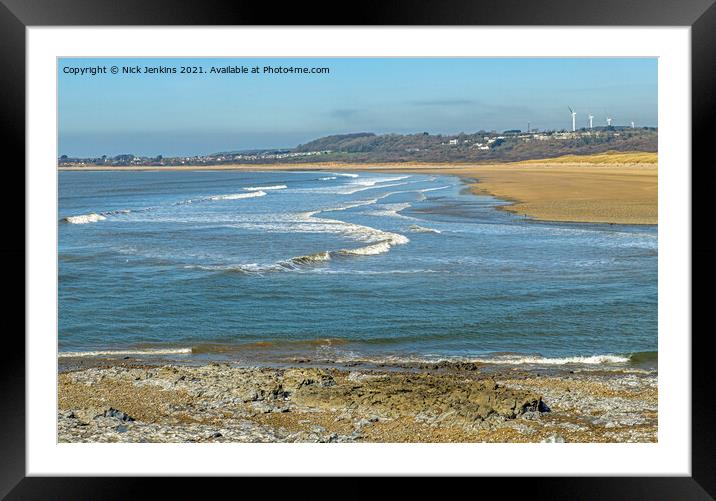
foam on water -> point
(118, 353)
(368, 250)
(238, 196)
(421, 229)
(533, 360)
(391, 210)
(368, 186)
(607, 359)
(93, 217)
(259, 188)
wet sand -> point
(616, 188)
(132, 401)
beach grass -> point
(609, 157)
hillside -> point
(478, 147)
(367, 147)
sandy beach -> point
(617, 188)
(132, 401)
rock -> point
(90, 414)
(361, 423)
(115, 413)
(531, 415)
(295, 379)
(554, 439)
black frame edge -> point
(371, 12)
(703, 110)
(12, 249)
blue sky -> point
(180, 114)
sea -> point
(340, 267)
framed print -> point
(437, 244)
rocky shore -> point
(135, 402)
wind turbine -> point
(574, 118)
(590, 120)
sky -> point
(201, 113)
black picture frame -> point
(17, 15)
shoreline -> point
(603, 189)
(136, 401)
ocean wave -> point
(237, 196)
(421, 229)
(351, 205)
(495, 360)
(374, 241)
(291, 264)
(425, 190)
(229, 196)
(247, 268)
(327, 178)
(318, 257)
(260, 188)
(368, 250)
(358, 232)
(391, 210)
(375, 186)
(110, 353)
(92, 217)
(536, 360)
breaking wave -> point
(425, 190)
(371, 184)
(229, 196)
(259, 188)
(318, 257)
(535, 360)
(368, 250)
(496, 360)
(351, 205)
(111, 353)
(421, 229)
(92, 217)
(391, 210)
(378, 241)
(237, 196)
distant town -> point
(366, 147)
